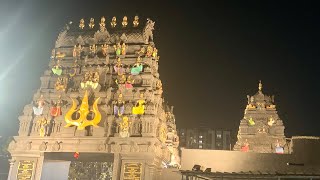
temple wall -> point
(235, 161)
(170, 174)
(307, 148)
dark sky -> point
(212, 56)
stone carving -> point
(162, 134)
(139, 107)
(147, 31)
(141, 52)
(124, 21)
(80, 41)
(12, 145)
(101, 146)
(118, 106)
(56, 146)
(120, 49)
(57, 69)
(116, 147)
(123, 38)
(56, 106)
(43, 124)
(124, 127)
(102, 24)
(43, 146)
(134, 147)
(61, 84)
(28, 145)
(39, 105)
(113, 22)
(93, 50)
(91, 24)
(151, 147)
(149, 51)
(81, 24)
(102, 36)
(137, 67)
(135, 21)
(104, 49)
(61, 39)
(271, 121)
(259, 124)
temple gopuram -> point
(261, 151)
(99, 112)
(261, 130)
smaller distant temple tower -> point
(261, 130)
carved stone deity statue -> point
(113, 22)
(61, 84)
(56, 107)
(117, 49)
(137, 67)
(104, 49)
(147, 31)
(91, 24)
(57, 69)
(102, 24)
(136, 21)
(38, 106)
(118, 67)
(125, 21)
(118, 106)
(124, 127)
(43, 124)
(139, 107)
(81, 24)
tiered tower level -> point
(261, 130)
(101, 94)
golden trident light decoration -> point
(81, 122)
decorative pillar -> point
(25, 122)
(39, 166)
(11, 162)
(116, 166)
(44, 82)
(35, 126)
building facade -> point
(205, 138)
(99, 112)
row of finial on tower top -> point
(260, 85)
(113, 22)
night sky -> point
(212, 56)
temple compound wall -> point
(303, 160)
(99, 112)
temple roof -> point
(104, 32)
(295, 174)
(260, 100)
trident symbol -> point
(83, 111)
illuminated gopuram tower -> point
(99, 113)
(261, 130)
